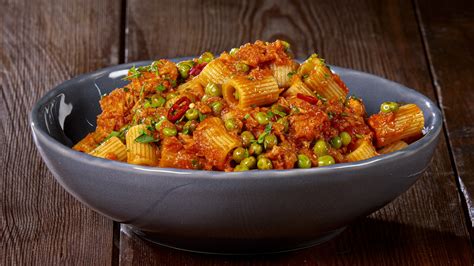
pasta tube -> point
(365, 151)
(214, 142)
(216, 72)
(112, 149)
(244, 92)
(405, 123)
(280, 73)
(140, 153)
(319, 78)
(398, 145)
(298, 86)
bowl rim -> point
(38, 133)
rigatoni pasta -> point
(296, 87)
(253, 107)
(365, 150)
(244, 92)
(319, 78)
(211, 134)
(139, 152)
(111, 148)
(216, 72)
(405, 123)
(396, 146)
(283, 73)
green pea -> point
(320, 148)
(183, 69)
(213, 90)
(217, 107)
(249, 162)
(388, 107)
(336, 142)
(304, 161)
(264, 164)
(169, 132)
(241, 168)
(394, 106)
(255, 148)
(239, 154)
(270, 141)
(192, 114)
(230, 124)
(170, 96)
(247, 138)
(147, 104)
(233, 51)
(242, 67)
(206, 57)
(284, 122)
(262, 118)
(157, 101)
(345, 138)
(326, 160)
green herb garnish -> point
(266, 131)
(133, 73)
(160, 87)
(202, 117)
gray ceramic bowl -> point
(217, 212)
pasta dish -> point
(253, 107)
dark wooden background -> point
(427, 45)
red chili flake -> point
(178, 109)
(307, 98)
(195, 70)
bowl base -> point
(234, 247)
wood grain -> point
(43, 43)
(448, 33)
(423, 226)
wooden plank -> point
(43, 43)
(448, 33)
(423, 226)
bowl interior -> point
(68, 112)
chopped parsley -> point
(266, 131)
(321, 98)
(160, 87)
(291, 73)
(145, 138)
(330, 115)
(280, 113)
(295, 109)
(270, 114)
(202, 117)
(247, 116)
(133, 73)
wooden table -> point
(426, 45)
